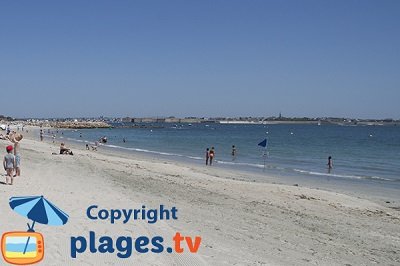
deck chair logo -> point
(21, 247)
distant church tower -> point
(280, 115)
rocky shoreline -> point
(64, 124)
(80, 125)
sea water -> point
(364, 153)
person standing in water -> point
(330, 163)
(207, 155)
(233, 152)
(212, 155)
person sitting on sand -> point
(65, 150)
(96, 144)
(9, 165)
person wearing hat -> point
(9, 165)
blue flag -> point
(263, 143)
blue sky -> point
(200, 58)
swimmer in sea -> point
(330, 163)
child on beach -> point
(9, 165)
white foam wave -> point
(341, 176)
(243, 164)
(238, 163)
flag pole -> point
(265, 157)
(264, 145)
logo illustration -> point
(28, 247)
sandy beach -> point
(240, 222)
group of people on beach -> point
(210, 154)
(12, 159)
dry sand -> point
(241, 223)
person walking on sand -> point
(9, 165)
(330, 163)
(41, 135)
(207, 155)
(16, 138)
(212, 155)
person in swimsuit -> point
(207, 155)
(16, 138)
(212, 154)
(330, 163)
(65, 150)
(233, 152)
(9, 165)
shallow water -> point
(366, 158)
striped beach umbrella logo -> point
(38, 209)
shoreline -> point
(241, 222)
(378, 191)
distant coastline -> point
(106, 122)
